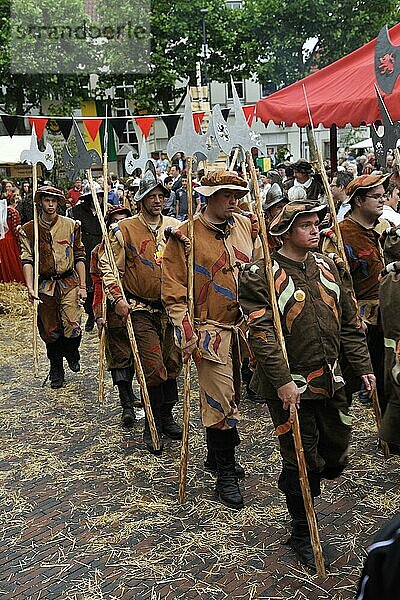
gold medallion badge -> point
(299, 296)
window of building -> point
(239, 85)
(267, 88)
(234, 4)
(122, 110)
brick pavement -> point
(87, 514)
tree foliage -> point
(276, 40)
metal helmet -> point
(149, 182)
(274, 195)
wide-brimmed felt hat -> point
(149, 182)
(284, 220)
(49, 190)
(302, 166)
(214, 181)
(367, 182)
(115, 210)
(273, 196)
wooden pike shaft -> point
(35, 273)
(102, 341)
(135, 352)
(327, 188)
(304, 483)
(186, 392)
(234, 159)
(248, 195)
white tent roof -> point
(11, 148)
(363, 144)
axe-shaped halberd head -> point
(387, 61)
(391, 133)
(241, 133)
(188, 141)
(84, 159)
(139, 163)
(212, 145)
(223, 133)
(33, 156)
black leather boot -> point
(227, 488)
(71, 352)
(156, 398)
(54, 354)
(210, 464)
(168, 424)
(128, 413)
(300, 540)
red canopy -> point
(340, 93)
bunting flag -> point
(197, 120)
(225, 113)
(171, 123)
(10, 123)
(65, 126)
(145, 124)
(92, 127)
(249, 113)
(89, 110)
(40, 124)
(119, 126)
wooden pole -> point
(304, 483)
(244, 174)
(35, 273)
(234, 159)
(102, 341)
(186, 393)
(135, 352)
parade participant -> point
(85, 213)
(181, 200)
(318, 317)
(223, 240)
(62, 284)
(361, 230)
(389, 302)
(304, 176)
(74, 194)
(274, 202)
(138, 244)
(118, 349)
(390, 208)
(338, 186)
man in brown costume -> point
(62, 284)
(138, 244)
(223, 240)
(117, 345)
(361, 231)
(318, 317)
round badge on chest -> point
(299, 295)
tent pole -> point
(333, 147)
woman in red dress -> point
(10, 259)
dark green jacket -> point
(318, 316)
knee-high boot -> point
(71, 352)
(168, 424)
(223, 442)
(210, 463)
(55, 356)
(156, 397)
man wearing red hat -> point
(138, 244)
(62, 286)
(318, 318)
